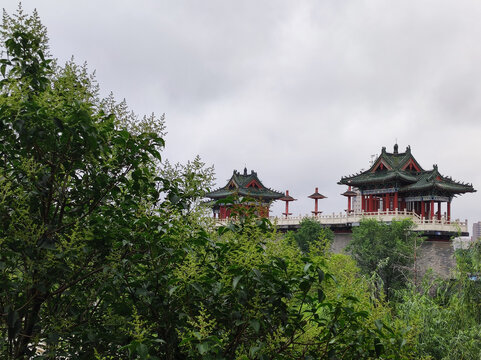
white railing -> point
(385, 216)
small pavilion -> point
(287, 199)
(397, 182)
(316, 196)
(242, 187)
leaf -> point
(172, 289)
(305, 286)
(255, 325)
(379, 324)
(257, 273)
(320, 295)
(235, 281)
(142, 350)
(378, 347)
(306, 267)
(253, 350)
(202, 348)
(320, 275)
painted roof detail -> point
(402, 171)
(245, 185)
(317, 195)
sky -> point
(303, 92)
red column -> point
(362, 203)
(349, 200)
(287, 204)
(388, 205)
(315, 205)
(431, 215)
(395, 202)
(439, 210)
(422, 209)
(449, 210)
(370, 203)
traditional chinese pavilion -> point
(396, 181)
(242, 186)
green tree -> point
(387, 250)
(97, 257)
(73, 183)
(312, 234)
(194, 179)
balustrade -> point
(434, 224)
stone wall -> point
(435, 255)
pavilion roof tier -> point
(402, 172)
(287, 198)
(381, 177)
(349, 193)
(248, 185)
(387, 168)
(316, 195)
(433, 181)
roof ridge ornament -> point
(395, 148)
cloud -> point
(302, 92)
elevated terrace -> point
(433, 229)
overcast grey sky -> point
(303, 92)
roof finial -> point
(395, 148)
(245, 170)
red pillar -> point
(431, 215)
(370, 203)
(362, 203)
(449, 210)
(388, 205)
(287, 204)
(422, 210)
(395, 202)
(348, 201)
(439, 210)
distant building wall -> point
(476, 231)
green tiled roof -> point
(377, 177)
(238, 185)
(434, 180)
(407, 180)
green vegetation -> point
(312, 234)
(385, 250)
(105, 252)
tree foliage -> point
(312, 234)
(73, 184)
(104, 256)
(386, 250)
